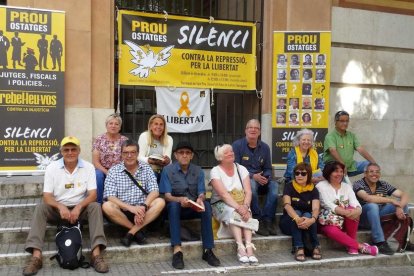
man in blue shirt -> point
(181, 183)
(254, 154)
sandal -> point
(316, 254)
(241, 253)
(300, 257)
(252, 257)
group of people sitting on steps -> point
(127, 178)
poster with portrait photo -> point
(281, 104)
(281, 89)
(307, 52)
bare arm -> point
(376, 199)
(336, 155)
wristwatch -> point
(145, 206)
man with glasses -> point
(131, 194)
(340, 145)
(181, 183)
(69, 195)
(378, 198)
(254, 154)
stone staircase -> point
(20, 194)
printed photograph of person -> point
(306, 89)
(281, 91)
(307, 75)
(280, 118)
(294, 60)
(293, 119)
(293, 103)
(320, 75)
(281, 104)
(281, 74)
(307, 60)
(319, 104)
(294, 75)
(281, 60)
(307, 103)
(321, 60)
(306, 118)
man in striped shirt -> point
(379, 198)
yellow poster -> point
(178, 51)
(300, 93)
(32, 83)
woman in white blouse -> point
(232, 193)
(340, 210)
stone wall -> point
(371, 78)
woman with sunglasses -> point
(300, 211)
(341, 210)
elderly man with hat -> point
(183, 183)
(69, 195)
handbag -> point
(252, 224)
(238, 195)
(327, 217)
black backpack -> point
(69, 247)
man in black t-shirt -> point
(379, 198)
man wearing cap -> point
(69, 195)
(180, 182)
(254, 154)
(131, 194)
(340, 145)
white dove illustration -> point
(147, 60)
(45, 160)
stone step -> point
(21, 186)
(156, 250)
(271, 263)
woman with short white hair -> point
(303, 151)
(232, 193)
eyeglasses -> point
(343, 121)
(374, 172)
(128, 153)
(301, 173)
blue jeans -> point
(360, 166)
(176, 213)
(100, 180)
(269, 209)
(289, 227)
(370, 218)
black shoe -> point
(271, 228)
(385, 249)
(127, 240)
(263, 231)
(210, 258)
(177, 260)
(140, 238)
(409, 247)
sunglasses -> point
(301, 173)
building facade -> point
(372, 56)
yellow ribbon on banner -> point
(184, 100)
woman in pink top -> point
(106, 151)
